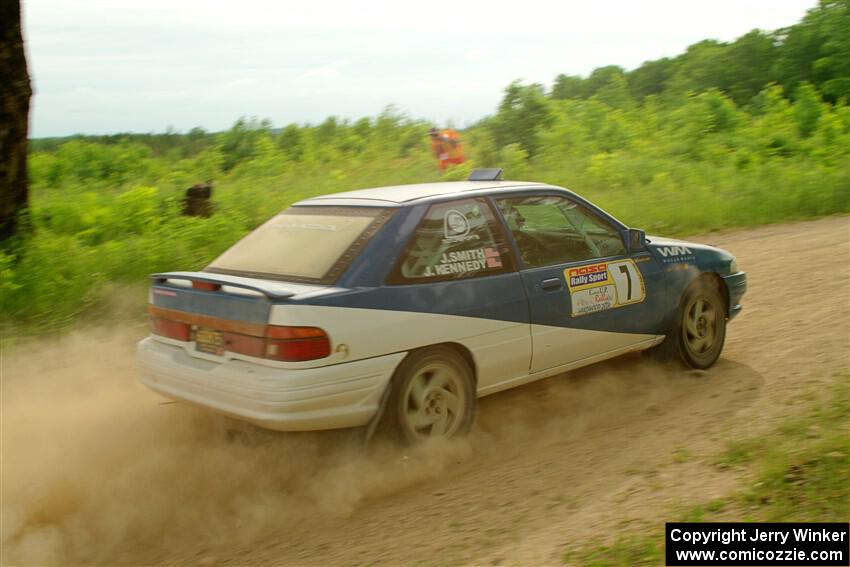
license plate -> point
(209, 340)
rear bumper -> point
(329, 397)
(736, 286)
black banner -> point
(763, 544)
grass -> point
(802, 474)
(625, 552)
(681, 455)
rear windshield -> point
(306, 244)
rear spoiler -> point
(231, 281)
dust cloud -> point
(96, 469)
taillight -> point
(296, 344)
(170, 329)
(273, 342)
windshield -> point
(310, 244)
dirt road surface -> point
(97, 470)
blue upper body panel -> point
(666, 267)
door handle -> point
(551, 284)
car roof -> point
(401, 194)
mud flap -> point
(370, 428)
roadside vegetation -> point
(724, 135)
(798, 473)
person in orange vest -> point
(446, 147)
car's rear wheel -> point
(433, 395)
(699, 331)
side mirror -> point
(637, 239)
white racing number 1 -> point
(627, 281)
(624, 270)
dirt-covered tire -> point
(432, 395)
(698, 332)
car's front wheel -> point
(703, 326)
(699, 331)
(432, 395)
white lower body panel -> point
(558, 346)
(644, 344)
(327, 397)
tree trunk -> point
(15, 92)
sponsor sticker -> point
(594, 299)
(675, 254)
(606, 285)
(455, 224)
(456, 227)
(584, 277)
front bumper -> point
(736, 286)
(328, 397)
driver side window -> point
(553, 230)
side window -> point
(553, 230)
(459, 239)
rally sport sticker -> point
(603, 286)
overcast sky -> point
(106, 66)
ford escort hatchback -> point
(400, 306)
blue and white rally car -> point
(403, 305)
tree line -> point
(815, 51)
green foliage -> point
(703, 66)
(751, 59)
(650, 78)
(240, 142)
(601, 78)
(568, 86)
(86, 161)
(514, 161)
(615, 92)
(807, 109)
(524, 111)
(817, 50)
